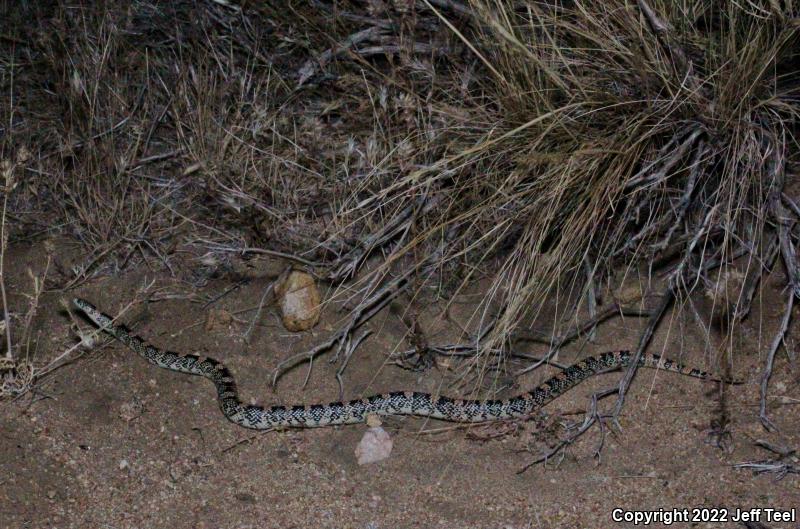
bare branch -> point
(765, 376)
(312, 66)
(666, 300)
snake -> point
(393, 403)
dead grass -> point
(599, 149)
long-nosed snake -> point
(394, 403)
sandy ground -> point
(111, 442)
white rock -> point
(376, 445)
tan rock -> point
(218, 319)
(373, 420)
(298, 301)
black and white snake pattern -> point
(394, 403)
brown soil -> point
(109, 441)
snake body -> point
(394, 403)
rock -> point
(373, 420)
(630, 292)
(298, 301)
(376, 445)
(724, 293)
(131, 410)
(218, 319)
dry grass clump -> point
(153, 126)
(200, 129)
(615, 134)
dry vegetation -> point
(416, 146)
